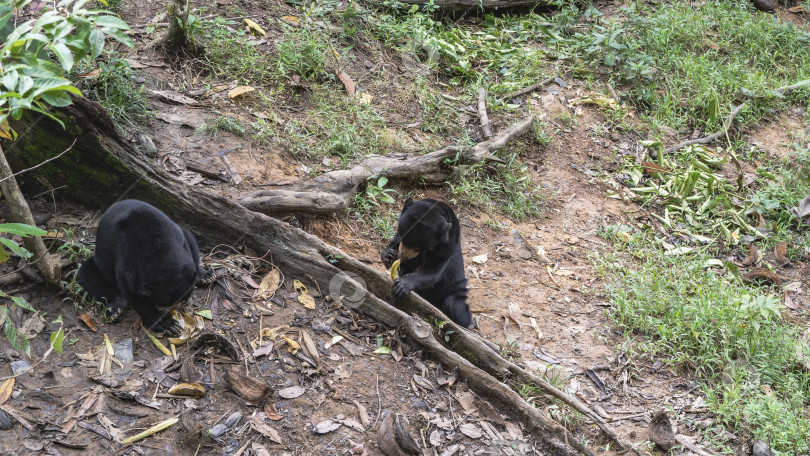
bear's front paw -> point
(388, 257)
(402, 288)
(165, 325)
(205, 277)
(117, 308)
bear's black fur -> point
(145, 260)
(428, 244)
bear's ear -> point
(408, 203)
(444, 229)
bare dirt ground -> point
(549, 315)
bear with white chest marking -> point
(428, 244)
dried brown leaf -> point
(269, 285)
(5, 390)
(347, 82)
(780, 252)
(292, 392)
(264, 429)
(762, 275)
(88, 320)
(271, 413)
(247, 388)
(753, 258)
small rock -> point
(20, 367)
(763, 5)
(123, 351)
(761, 448)
(233, 419)
(218, 430)
(326, 426)
(5, 422)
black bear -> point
(428, 244)
(145, 260)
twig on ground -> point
(526, 90)
(482, 112)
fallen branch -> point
(727, 124)
(526, 90)
(333, 191)
(482, 112)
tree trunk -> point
(177, 40)
(21, 213)
(105, 167)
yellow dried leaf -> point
(303, 295)
(188, 389)
(5, 390)
(108, 344)
(294, 346)
(365, 98)
(256, 27)
(152, 430)
(291, 19)
(5, 130)
(158, 344)
(239, 91)
(270, 284)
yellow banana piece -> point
(395, 270)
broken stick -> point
(482, 112)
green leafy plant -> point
(15, 337)
(113, 87)
(68, 31)
(376, 193)
(35, 55)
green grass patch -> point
(338, 126)
(506, 187)
(229, 54)
(224, 123)
(114, 89)
(303, 53)
(753, 366)
(503, 49)
(686, 65)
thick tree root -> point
(333, 191)
(214, 219)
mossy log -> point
(103, 167)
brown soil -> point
(536, 310)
